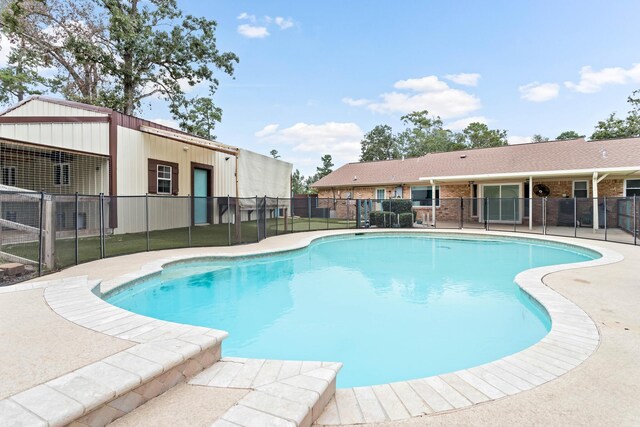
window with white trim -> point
(380, 194)
(164, 179)
(632, 187)
(581, 189)
(9, 176)
(61, 174)
(421, 196)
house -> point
(63, 148)
(507, 177)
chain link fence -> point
(47, 232)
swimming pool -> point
(389, 307)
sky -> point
(314, 77)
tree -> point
(539, 138)
(198, 117)
(379, 144)
(478, 135)
(118, 53)
(19, 78)
(426, 134)
(615, 127)
(321, 171)
(568, 134)
(326, 168)
(298, 185)
(275, 155)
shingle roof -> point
(576, 154)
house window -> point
(380, 193)
(632, 187)
(581, 189)
(61, 174)
(164, 179)
(421, 196)
(9, 176)
(397, 192)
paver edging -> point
(572, 339)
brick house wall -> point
(450, 204)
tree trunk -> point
(128, 83)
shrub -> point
(380, 219)
(407, 219)
(397, 206)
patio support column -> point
(596, 219)
(433, 203)
(530, 195)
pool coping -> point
(572, 339)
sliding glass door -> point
(503, 204)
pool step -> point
(162, 355)
(284, 392)
(103, 391)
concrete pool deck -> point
(604, 388)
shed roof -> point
(552, 156)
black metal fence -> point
(48, 232)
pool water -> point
(391, 308)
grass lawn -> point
(202, 235)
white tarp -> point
(261, 176)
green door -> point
(200, 193)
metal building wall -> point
(85, 137)
(36, 107)
(134, 150)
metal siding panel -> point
(43, 108)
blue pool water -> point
(390, 308)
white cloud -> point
(341, 140)
(425, 93)
(356, 102)
(424, 84)
(267, 130)
(167, 122)
(466, 79)
(464, 122)
(253, 31)
(592, 81)
(283, 23)
(515, 140)
(539, 92)
(259, 28)
(244, 16)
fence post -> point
(328, 213)
(76, 224)
(309, 210)
(40, 234)
(348, 214)
(604, 201)
(229, 219)
(461, 213)
(544, 216)
(486, 214)
(257, 222)
(189, 220)
(277, 212)
(146, 216)
(635, 222)
(515, 217)
(575, 217)
(101, 224)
